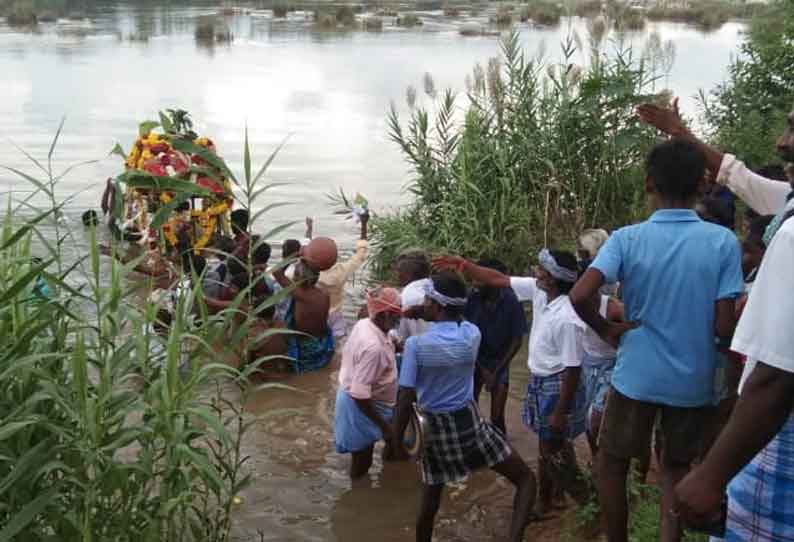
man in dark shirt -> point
(502, 322)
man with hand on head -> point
(438, 375)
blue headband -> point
(548, 263)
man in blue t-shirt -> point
(680, 277)
(500, 317)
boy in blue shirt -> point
(680, 277)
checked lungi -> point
(760, 497)
(458, 443)
(543, 394)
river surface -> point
(329, 92)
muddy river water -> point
(329, 92)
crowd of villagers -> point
(662, 342)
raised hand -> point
(667, 120)
(449, 263)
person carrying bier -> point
(308, 313)
(334, 280)
(438, 375)
(499, 316)
(679, 278)
(368, 383)
(554, 407)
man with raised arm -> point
(680, 277)
(764, 196)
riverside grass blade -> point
(86, 416)
(28, 514)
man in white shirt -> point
(764, 196)
(753, 455)
(555, 406)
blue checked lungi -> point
(543, 393)
(597, 377)
(760, 497)
(353, 430)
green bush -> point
(110, 431)
(537, 159)
(748, 112)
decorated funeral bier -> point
(174, 193)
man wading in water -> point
(438, 374)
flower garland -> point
(153, 153)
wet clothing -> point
(458, 443)
(353, 430)
(543, 394)
(308, 353)
(369, 368)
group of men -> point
(633, 342)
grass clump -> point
(211, 29)
(409, 20)
(504, 15)
(373, 24)
(280, 10)
(21, 13)
(631, 20)
(543, 152)
(543, 13)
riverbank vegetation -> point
(117, 424)
(542, 151)
(747, 113)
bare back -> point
(311, 310)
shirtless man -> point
(308, 313)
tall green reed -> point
(540, 151)
(111, 430)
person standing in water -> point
(438, 375)
(308, 313)
(368, 383)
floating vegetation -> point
(373, 24)
(409, 20)
(211, 29)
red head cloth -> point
(383, 300)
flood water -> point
(329, 92)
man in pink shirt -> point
(368, 383)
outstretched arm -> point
(483, 275)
